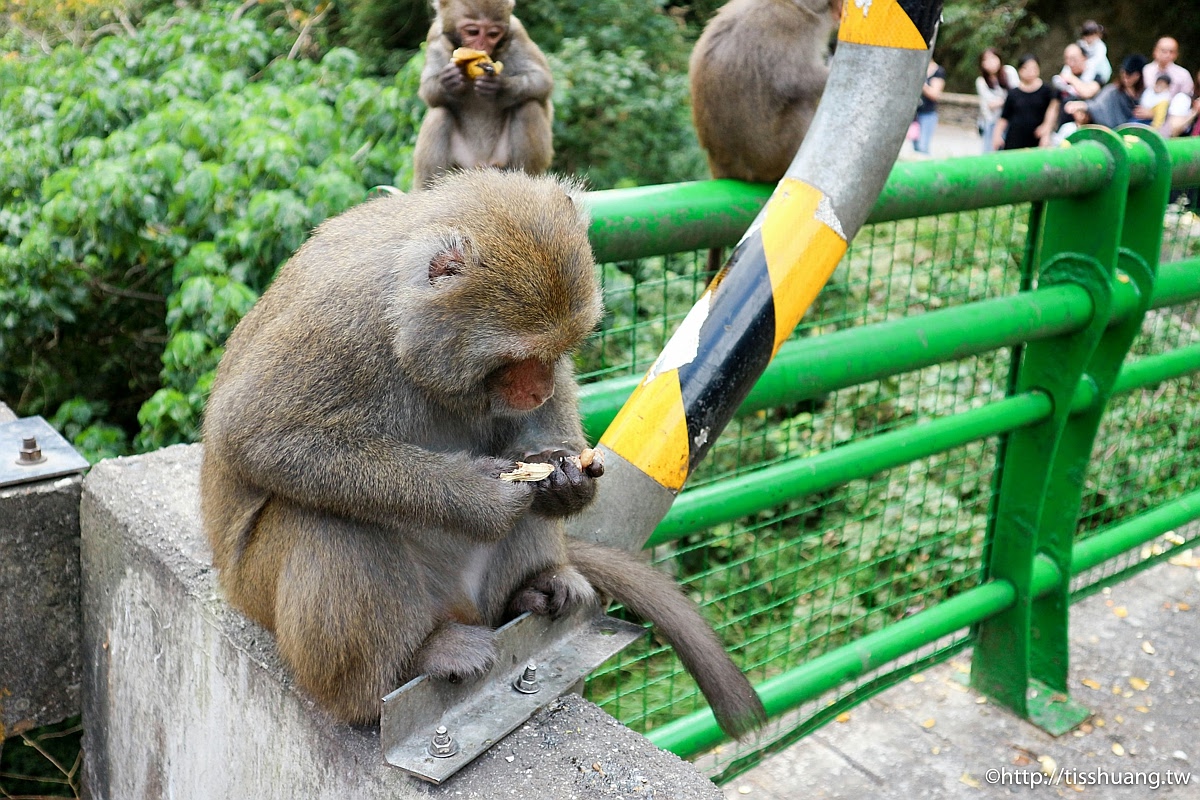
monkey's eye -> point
(446, 263)
(471, 31)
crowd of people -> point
(1017, 108)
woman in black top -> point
(1027, 119)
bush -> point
(150, 189)
(620, 122)
(151, 186)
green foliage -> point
(619, 121)
(611, 26)
(971, 26)
(150, 188)
(384, 32)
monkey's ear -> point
(446, 263)
(576, 191)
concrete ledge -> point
(184, 698)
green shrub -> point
(151, 188)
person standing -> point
(992, 86)
(927, 116)
(1029, 112)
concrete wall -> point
(959, 110)
(183, 698)
(39, 601)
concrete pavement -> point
(1135, 662)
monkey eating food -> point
(412, 351)
(482, 112)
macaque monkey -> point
(757, 73)
(409, 353)
(502, 117)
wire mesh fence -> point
(803, 578)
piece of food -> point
(588, 456)
(476, 63)
(539, 470)
(528, 472)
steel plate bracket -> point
(478, 714)
(57, 457)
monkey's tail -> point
(653, 596)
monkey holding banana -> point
(489, 111)
(410, 353)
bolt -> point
(30, 452)
(443, 744)
(528, 682)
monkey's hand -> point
(487, 85)
(568, 489)
(452, 78)
(501, 503)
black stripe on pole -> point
(735, 344)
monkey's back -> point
(747, 72)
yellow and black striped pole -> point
(774, 274)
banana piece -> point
(476, 63)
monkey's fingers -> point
(592, 462)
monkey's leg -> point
(352, 608)
(530, 148)
(432, 155)
(455, 651)
(530, 572)
(552, 593)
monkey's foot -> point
(457, 652)
(553, 593)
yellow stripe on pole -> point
(650, 430)
(802, 250)
(879, 22)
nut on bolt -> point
(527, 683)
(30, 452)
(442, 745)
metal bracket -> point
(433, 728)
(56, 458)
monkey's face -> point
(498, 287)
(481, 33)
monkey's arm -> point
(802, 85)
(338, 464)
(526, 75)
(438, 87)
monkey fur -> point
(757, 73)
(414, 348)
(501, 120)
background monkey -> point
(410, 352)
(496, 120)
(757, 73)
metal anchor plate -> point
(481, 713)
(59, 458)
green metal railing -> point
(990, 412)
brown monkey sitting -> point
(757, 73)
(408, 354)
(501, 118)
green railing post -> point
(1020, 658)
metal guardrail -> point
(1096, 221)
